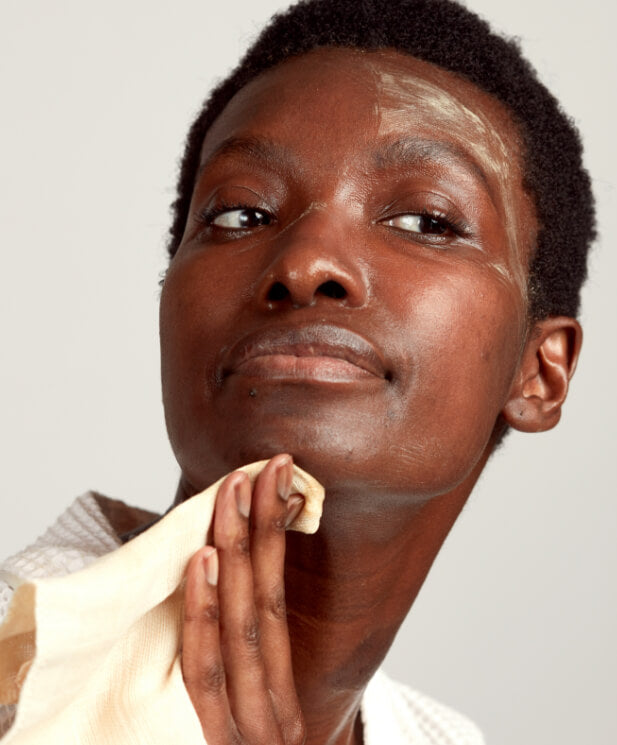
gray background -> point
(516, 623)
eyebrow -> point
(268, 153)
(406, 151)
(414, 150)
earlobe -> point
(541, 384)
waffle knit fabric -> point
(105, 667)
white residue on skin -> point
(407, 100)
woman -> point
(380, 324)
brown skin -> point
(376, 347)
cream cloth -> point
(92, 657)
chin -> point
(346, 444)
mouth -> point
(312, 353)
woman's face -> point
(350, 287)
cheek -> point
(464, 335)
(193, 315)
(197, 302)
(194, 307)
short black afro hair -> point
(448, 35)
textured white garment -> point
(394, 714)
(391, 713)
(78, 537)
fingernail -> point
(284, 476)
(294, 508)
(243, 497)
(211, 566)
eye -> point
(239, 218)
(420, 223)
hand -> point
(236, 656)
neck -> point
(349, 588)
(348, 591)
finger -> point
(269, 517)
(249, 699)
(202, 662)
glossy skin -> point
(348, 290)
(447, 326)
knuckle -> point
(209, 680)
(251, 635)
(274, 605)
(242, 546)
(212, 680)
(209, 613)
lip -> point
(315, 352)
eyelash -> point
(207, 216)
(449, 222)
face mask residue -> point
(406, 101)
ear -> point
(541, 384)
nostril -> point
(332, 289)
(278, 291)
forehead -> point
(348, 82)
(335, 105)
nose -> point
(315, 261)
